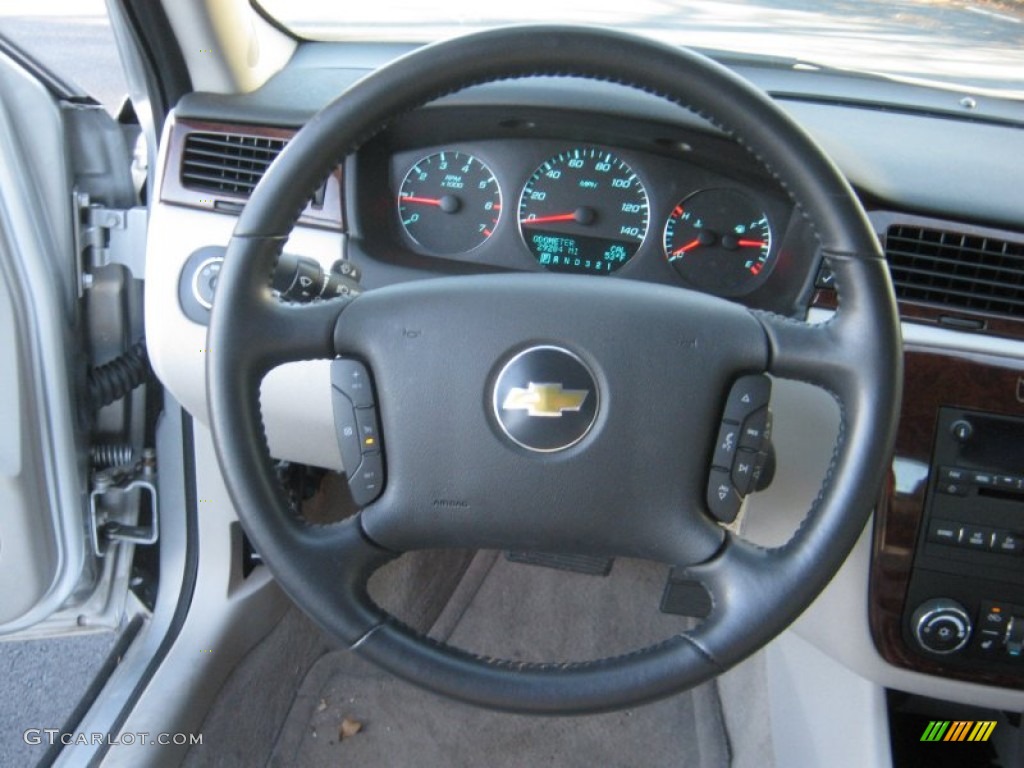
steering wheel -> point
(455, 479)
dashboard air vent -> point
(227, 162)
(956, 269)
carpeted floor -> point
(519, 611)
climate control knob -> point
(941, 626)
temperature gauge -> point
(719, 241)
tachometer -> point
(449, 202)
(583, 211)
(719, 241)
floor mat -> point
(44, 680)
(519, 611)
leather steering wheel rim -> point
(756, 592)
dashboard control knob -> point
(204, 281)
(941, 626)
(962, 430)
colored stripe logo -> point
(958, 730)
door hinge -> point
(108, 236)
(117, 505)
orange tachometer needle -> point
(751, 243)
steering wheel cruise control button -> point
(348, 431)
(355, 420)
(351, 378)
(366, 483)
(366, 420)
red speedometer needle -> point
(553, 217)
(424, 200)
(751, 243)
(688, 247)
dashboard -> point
(533, 176)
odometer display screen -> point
(583, 211)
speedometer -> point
(583, 211)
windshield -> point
(972, 44)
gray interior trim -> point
(45, 487)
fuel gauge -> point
(719, 241)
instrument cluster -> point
(589, 209)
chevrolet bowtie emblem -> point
(548, 400)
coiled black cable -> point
(112, 381)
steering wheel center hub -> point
(545, 399)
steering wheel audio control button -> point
(742, 461)
(725, 446)
(764, 468)
(743, 471)
(723, 498)
(748, 394)
(756, 429)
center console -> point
(947, 580)
(968, 573)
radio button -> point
(942, 532)
(983, 478)
(1008, 482)
(1008, 543)
(954, 475)
(974, 537)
